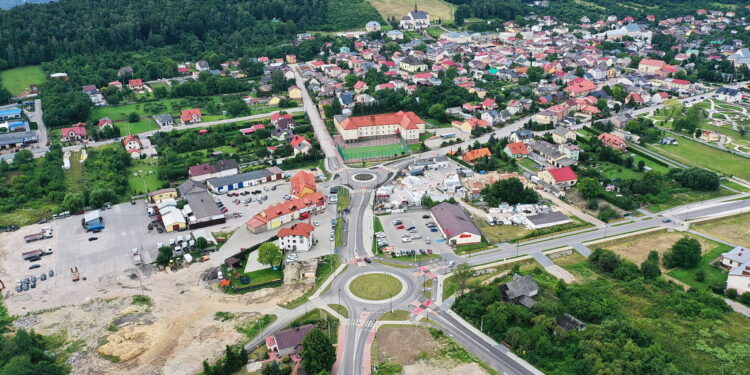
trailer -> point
(33, 254)
(74, 275)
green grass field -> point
(393, 150)
(17, 80)
(713, 274)
(398, 8)
(375, 286)
(693, 153)
(137, 179)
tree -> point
(589, 187)
(73, 202)
(685, 253)
(22, 157)
(463, 272)
(509, 190)
(461, 14)
(134, 117)
(650, 269)
(607, 213)
(164, 256)
(700, 275)
(745, 298)
(437, 111)
(272, 368)
(317, 353)
(201, 243)
(269, 254)
(695, 178)
(732, 293)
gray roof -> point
(202, 204)
(292, 337)
(548, 217)
(163, 118)
(521, 286)
(453, 220)
(412, 60)
(242, 177)
(569, 322)
(11, 138)
(191, 186)
(418, 15)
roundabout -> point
(364, 177)
(376, 287)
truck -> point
(74, 275)
(45, 233)
(36, 254)
(136, 256)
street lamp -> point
(339, 296)
(390, 301)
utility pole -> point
(339, 296)
(390, 301)
(481, 325)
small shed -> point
(232, 262)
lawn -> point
(688, 196)
(341, 309)
(381, 151)
(395, 315)
(343, 199)
(734, 185)
(17, 80)
(734, 229)
(398, 8)
(693, 153)
(636, 248)
(713, 274)
(143, 176)
(375, 286)
(616, 171)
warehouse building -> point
(225, 184)
(455, 225)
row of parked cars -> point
(29, 282)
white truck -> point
(136, 256)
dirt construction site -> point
(172, 333)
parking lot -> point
(419, 239)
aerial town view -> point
(356, 187)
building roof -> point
(284, 208)
(299, 229)
(652, 62)
(521, 286)
(407, 120)
(300, 181)
(10, 138)
(563, 174)
(162, 191)
(202, 204)
(190, 187)
(242, 177)
(10, 112)
(547, 218)
(187, 115)
(518, 148)
(208, 168)
(472, 155)
(291, 337)
(453, 220)
(78, 129)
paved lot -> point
(413, 218)
(437, 141)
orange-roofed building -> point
(470, 124)
(613, 141)
(474, 155)
(516, 150)
(580, 87)
(650, 66)
(284, 212)
(298, 237)
(407, 125)
(303, 183)
(191, 116)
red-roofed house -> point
(580, 87)
(136, 84)
(300, 145)
(104, 123)
(516, 150)
(76, 132)
(474, 155)
(488, 104)
(650, 66)
(470, 124)
(613, 141)
(407, 125)
(132, 146)
(360, 87)
(560, 177)
(679, 84)
(302, 183)
(281, 213)
(298, 237)
(191, 116)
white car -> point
(316, 223)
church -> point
(415, 20)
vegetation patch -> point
(734, 229)
(375, 286)
(395, 315)
(21, 79)
(341, 309)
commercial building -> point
(302, 183)
(170, 216)
(284, 212)
(10, 114)
(162, 195)
(455, 225)
(298, 237)
(406, 125)
(225, 184)
(201, 210)
(544, 220)
(17, 139)
(222, 168)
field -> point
(375, 286)
(399, 8)
(143, 172)
(687, 197)
(636, 248)
(713, 274)
(381, 151)
(693, 153)
(734, 229)
(17, 80)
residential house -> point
(76, 132)
(302, 183)
(284, 212)
(136, 85)
(521, 135)
(472, 156)
(563, 135)
(295, 93)
(514, 106)
(516, 150)
(651, 66)
(570, 151)
(613, 141)
(202, 66)
(579, 87)
(104, 123)
(191, 116)
(412, 64)
(520, 290)
(494, 117)
(728, 94)
(470, 124)
(737, 261)
(133, 146)
(298, 237)
(288, 341)
(164, 120)
(372, 26)
(300, 145)
(563, 178)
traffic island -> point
(376, 287)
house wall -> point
(739, 283)
(295, 243)
(163, 196)
(465, 239)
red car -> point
(400, 226)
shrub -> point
(732, 293)
(718, 287)
(700, 276)
(745, 298)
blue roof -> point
(10, 112)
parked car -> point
(51, 273)
(399, 227)
(43, 277)
(34, 266)
(429, 251)
(93, 238)
(316, 223)
(425, 216)
(411, 227)
(427, 241)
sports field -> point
(398, 8)
(17, 80)
(373, 152)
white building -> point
(415, 20)
(738, 262)
(298, 237)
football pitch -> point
(381, 151)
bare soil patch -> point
(403, 344)
(636, 248)
(422, 368)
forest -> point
(37, 33)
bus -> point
(447, 135)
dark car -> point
(433, 229)
(51, 273)
(34, 266)
(43, 277)
(33, 278)
(19, 288)
(33, 285)
(368, 260)
(25, 287)
(421, 251)
(93, 238)
(425, 216)
(410, 228)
